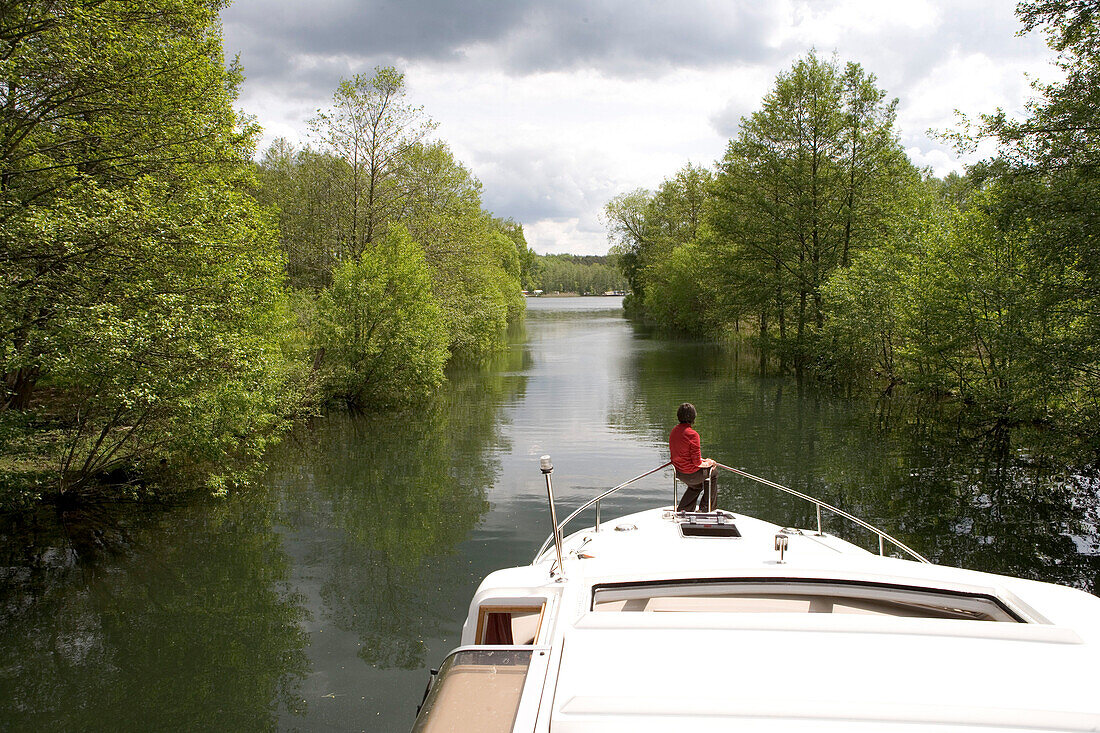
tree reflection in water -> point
(390, 498)
(960, 492)
(148, 619)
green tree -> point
(303, 187)
(140, 283)
(581, 274)
(874, 330)
(370, 127)
(379, 330)
(806, 185)
(1048, 176)
(476, 262)
(645, 228)
(475, 266)
(682, 295)
(525, 256)
(628, 233)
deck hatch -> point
(709, 530)
(798, 595)
(478, 690)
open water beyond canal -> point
(318, 600)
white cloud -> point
(563, 144)
(572, 235)
(941, 160)
(970, 83)
(830, 24)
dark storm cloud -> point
(270, 35)
(637, 38)
(302, 44)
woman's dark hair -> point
(686, 413)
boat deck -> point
(712, 633)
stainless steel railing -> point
(590, 502)
(883, 537)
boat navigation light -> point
(546, 465)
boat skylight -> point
(793, 595)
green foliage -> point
(476, 262)
(808, 184)
(871, 325)
(525, 256)
(379, 329)
(681, 291)
(865, 304)
(142, 321)
(818, 233)
(370, 127)
(995, 301)
(145, 322)
(813, 179)
(476, 265)
(581, 274)
(644, 228)
(628, 233)
(302, 187)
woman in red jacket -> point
(697, 472)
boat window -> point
(799, 596)
(508, 625)
(477, 691)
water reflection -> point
(374, 509)
(129, 619)
(386, 498)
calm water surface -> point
(317, 601)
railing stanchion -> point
(881, 549)
(547, 469)
(597, 516)
(818, 505)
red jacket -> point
(685, 448)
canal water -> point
(318, 600)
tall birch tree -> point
(371, 127)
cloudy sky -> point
(559, 106)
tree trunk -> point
(22, 388)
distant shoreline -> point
(573, 295)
